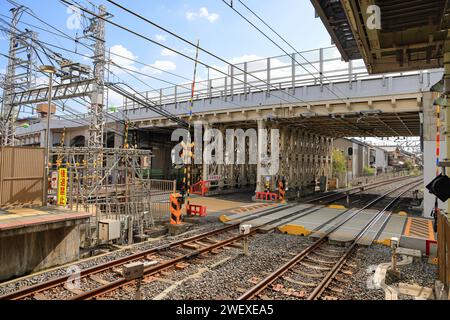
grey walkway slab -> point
(276, 216)
(393, 228)
(312, 222)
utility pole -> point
(96, 110)
(96, 31)
(19, 75)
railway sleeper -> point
(98, 279)
(312, 259)
(311, 266)
(301, 283)
(306, 274)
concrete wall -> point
(23, 253)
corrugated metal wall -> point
(21, 176)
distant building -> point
(361, 155)
(398, 157)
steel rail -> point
(20, 294)
(343, 193)
(263, 284)
(153, 270)
(340, 263)
(30, 290)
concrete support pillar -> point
(222, 168)
(205, 166)
(259, 182)
(292, 173)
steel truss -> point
(124, 187)
(304, 158)
(20, 75)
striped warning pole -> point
(438, 137)
(188, 167)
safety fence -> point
(323, 66)
(21, 176)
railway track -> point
(105, 278)
(316, 267)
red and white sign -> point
(54, 180)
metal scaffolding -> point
(20, 75)
(124, 190)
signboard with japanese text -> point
(62, 186)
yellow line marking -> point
(223, 218)
(336, 206)
(295, 230)
(385, 242)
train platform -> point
(43, 237)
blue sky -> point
(218, 28)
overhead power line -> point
(281, 48)
(184, 55)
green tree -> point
(339, 162)
(368, 171)
(409, 165)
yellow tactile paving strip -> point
(419, 228)
(19, 213)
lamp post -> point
(50, 70)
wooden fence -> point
(444, 249)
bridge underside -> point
(305, 145)
(355, 124)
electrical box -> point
(133, 270)
(109, 230)
(43, 108)
(245, 228)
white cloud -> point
(120, 56)
(160, 64)
(160, 37)
(202, 13)
(41, 80)
(235, 61)
(244, 58)
(167, 53)
(114, 99)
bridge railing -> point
(322, 66)
(286, 72)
